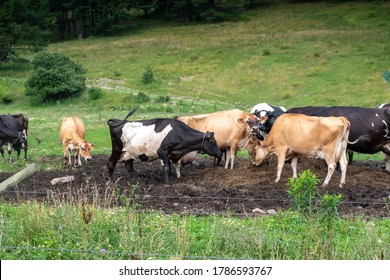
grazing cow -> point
(229, 127)
(266, 114)
(317, 137)
(13, 130)
(72, 135)
(374, 123)
(166, 139)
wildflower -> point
(103, 251)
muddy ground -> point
(204, 188)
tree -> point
(23, 22)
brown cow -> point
(229, 127)
(72, 135)
(316, 137)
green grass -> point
(40, 231)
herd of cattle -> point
(317, 132)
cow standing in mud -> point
(72, 135)
(229, 127)
(372, 123)
(162, 138)
(16, 123)
(317, 137)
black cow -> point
(266, 114)
(371, 125)
(13, 130)
(166, 139)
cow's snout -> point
(88, 158)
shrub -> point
(55, 76)
(95, 93)
(142, 97)
(148, 77)
(163, 99)
(303, 191)
(5, 95)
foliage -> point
(148, 76)
(307, 200)
(23, 22)
(6, 96)
(303, 191)
(55, 76)
(95, 93)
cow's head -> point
(85, 149)
(255, 126)
(260, 153)
(209, 145)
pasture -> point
(285, 54)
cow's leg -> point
(228, 157)
(17, 153)
(331, 168)
(25, 152)
(281, 158)
(128, 165)
(343, 163)
(350, 157)
(294, 163)
(78, 156)
(387, 162)
(177, 168)
(9, 151)
(164, 156)
(69, 154)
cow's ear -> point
(92, 146)
(241, 121)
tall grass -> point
(42, 231)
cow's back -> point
(226, 125)
(304, 133)
(72, 128)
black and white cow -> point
(371, 125)
(13, 130)
(163, 138)
(266, 114)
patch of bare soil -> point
(204, 188)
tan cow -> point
(316, 137)
(229, 127)
(72, 135)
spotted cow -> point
(162, 138)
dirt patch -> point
(204, 188)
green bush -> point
(148, 77)
(95, 93)
(55, 76)
(5, 95)
(142, 97)
(303, 191)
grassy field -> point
(288, 55)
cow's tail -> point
(110, 121)
(360, 138)
(36, 138)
